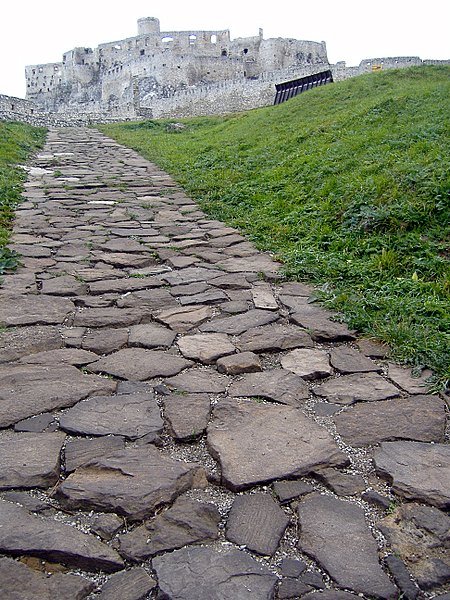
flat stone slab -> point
(263, 297)
(278, 385)
(347, 360)
(105, 341)
(66, 285)
(27, 390)
(257, 522)
(154, 299)
(403, 377)
(364, 387)
(205, 347)
(107, 317)
(322, 329)
(342, 484)
(288, 490)
(308, 363)
(198, 381)
(22, 533)
(198, 573)
(418, 471)
(129, 415)
(60, 356)
(419, 418)
(139, 364)
(238, 324)
(124, 285)
(186, 522)
(33, 310)
(23, 341)
(274, 338)
(151, 335)
(78, 452)
(242, 362)
(19, 581)
(134, 584)
(29, 460)
(258, 263)
(185, 318)
(272, 450)
(131, 482)
(187, 415)
(335, 534)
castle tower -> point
(148, 25)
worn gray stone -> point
(198, 381)
(23, 341)
(330, 595)
(19, 582)
(401, 577)
(420, 418)
(184, 318)
(335, 534)
(124, 285)
(347, 360)
(78, 452)
(104, 341)
(258, 263)
(129, 415)
(288, 490)
(187, 414)
(151, 335)
(263, 297)
(205, 347)
(278, 385)
(107, 317)
(307, 363)
(106, 526)
(292, 588)
(367, 387)
(186, 522)
(272, 450)
(237, 324)
(153, 299)
(342, 484)
(131, 482)
(26, 390)
(61, 356)
(134, 584)
(64, 286)
(37, 424)
(22, 533)
(418, 471)
(274, 338)
(256, 522)
(33, 310)
(403, 377)
(291, 567)
(29, 460)
(139, 364)
(242, 362)
(199, 573)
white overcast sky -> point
(39, 31)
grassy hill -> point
(348, 185)
(17, 142)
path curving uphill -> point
(179, 422)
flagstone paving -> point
(179, 422)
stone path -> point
(179, 423)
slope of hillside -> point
(348, 185)
(17, 141)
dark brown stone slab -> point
(61, 356)
(17, 581)
(107, 317)
(372, 348)
(198, 381)
(184, 318)
(272, 451)
(122, 286)
(187, 414)
(125, 259)
(205, 347)
(364, 387)
(242, 362)
(212, 296)
(104, 340)
(258, 263)
(231, 282)
(403, 377)
(342, 484)
(122, 245)
(189, 289)
(36, 424)
(151, 335)
(132, 482)
(78, 452)
(348, 360)
(22, 533)
(309, 363)
(134, 584)
(238, 324)
(129, 415)
(418, 471)
(278, 385)
(335, 534)
(106, 525)
(27, 390)
(419, 418)
(256, 522)
(29, 460)
(33, 310)
(66, 285)
(292, 588)
(206, 573)
(15, 343)
(186, 522)
(153, 299)
(322, 329)
(274, 338)
(190, 275)
(288, 490)
(139, 364)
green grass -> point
(17, 142)
(348, 185)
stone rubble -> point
(174, 412)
